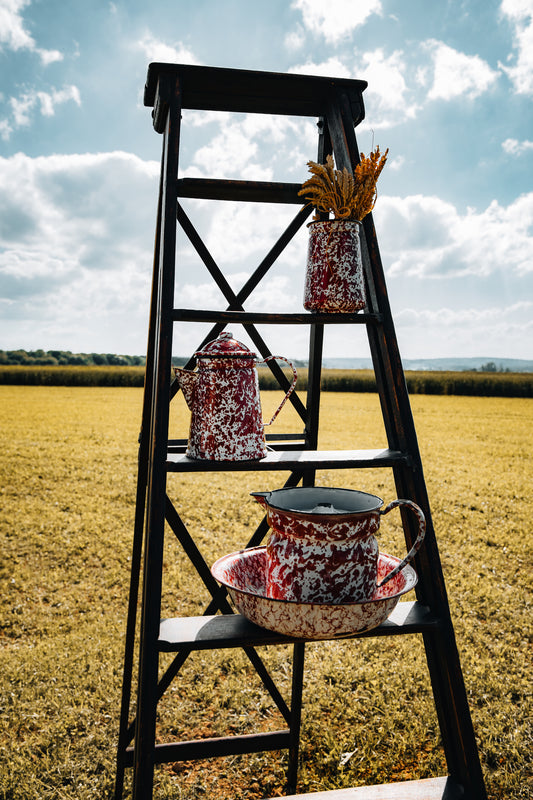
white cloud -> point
(515, 148)
(427, 237)
(230, 154)
(274, 294)
(387, 97)
(23, 107)
(456, 74)
(336, 19)
(5, 129)
(396, 164)
(14, 35)
(251, 146)
(198, 119)
(491, 331)
(76, 242)
(49, 56)
(295, 39)
(520, 15)
(333, 67)
(235, 236)
(157, 50)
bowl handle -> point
(419, 539)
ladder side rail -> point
(298, 662)
(155, 511)
(316, 344)
(441, 649)
(347, 156)
(316, 340)
(391, 383)
(442, 656)
(377, 339)
(124, 736)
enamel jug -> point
(323, 548)
(223, 396)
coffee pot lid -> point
(225, 346)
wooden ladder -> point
(337, 104)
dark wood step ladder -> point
(337, 105)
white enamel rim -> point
(408, 573)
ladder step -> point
(264, 318)
(216, 747)
(244, 191)
(249, 91)
(291, 460)
(425, 789)
(234, 630)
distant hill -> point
(440, 364)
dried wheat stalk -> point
(346, 196)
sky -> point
(450, 89)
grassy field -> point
(67, 483)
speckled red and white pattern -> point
(321, 558)
(226, 419)
(327, 527)
(223, 395)
(334, 277)
(243, 573)
(310, 570)
(326, 557)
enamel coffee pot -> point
(223, 396)
(323, 547)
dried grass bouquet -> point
(345, 195)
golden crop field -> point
(67, 483)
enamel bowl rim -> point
(408, 573)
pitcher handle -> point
(419, 539)
(291, 388)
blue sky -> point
(450, 93)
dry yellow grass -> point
(67, 482)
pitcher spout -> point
(187, 380)
(261, 497)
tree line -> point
(63, 358)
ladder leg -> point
(123, 737)
(169, 93)
(441, 651)
(296, 715)
(442, 656)
(142, 477)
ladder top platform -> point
(221, 89)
